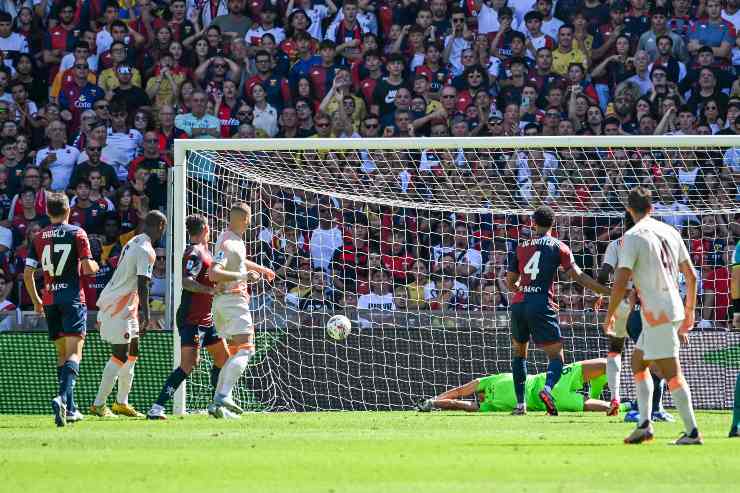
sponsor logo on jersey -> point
(57, 286)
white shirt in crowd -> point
(15, 43)
(68, 62)
(254, 35)
(322, 244)
(431, 292)
(374, 301)
(62, 168)
(122, 148)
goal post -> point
(423, 285)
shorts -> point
(198, 335)
(620, 319)
(566, 390)
(66, 320)
(116, 329)
(231, 316)
(659, 342)
(634, 324)
(538, 322)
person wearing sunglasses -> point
(79, 94)
(93, 161)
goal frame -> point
(177, 206)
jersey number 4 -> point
(47, 263)
(532, 268)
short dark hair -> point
(195, 224)
(640, 199)
(154, 219)
(544, 217)
(5, 17)
(57, 204)
(83, 181)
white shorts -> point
(620, 319)
(231, 316)
(117, 329)
(659, 342)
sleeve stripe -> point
(31, 263)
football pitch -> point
(379, 452)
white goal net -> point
(409, 238)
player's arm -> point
(30, 283)
(512, 278)
(264, 271)
(512, 271)
(218, 272)
(577, 275)
(192, 268)
(88, 265)
(142, 287)
(689, 273)
(604, 273)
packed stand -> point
(93, 94)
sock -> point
(215, 373)
(597, 386)
(613, 374)
(644, 385)
(519, 369)
(554, 370)
(70, 397)
(232, 370)
(682, 400)
(736, 409)
(173, 382)
(658, 388)
(125, 380)
(67, 377)
(108, 380)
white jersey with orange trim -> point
(231, 255)
(136, 259)
(653, 250)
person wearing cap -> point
(659, 27)
(316, 14)
(108, 79)
(713, 31)
(134, 96)
(234, 24)
(266, 25)
(494, 125)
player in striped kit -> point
(231, 271)
(735, 287)
(652, 254)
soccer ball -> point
(338, 327)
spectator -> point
(381, 295)
(198, 124)
(134, 97)
(123, 142)
(58, 157)
(325, 239)
(87, 214)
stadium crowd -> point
(93, 94)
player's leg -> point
(219, 352)
(118, 358)
(736, 411)
(614, 373)
(546, 333)
(189, 358)
(59, 402)
(593, 372)
(126, 381)
(659, 383)
(644, 385)
(70, 370)
(456, 405)
(681, 394)
(232, 370)
(519, 347)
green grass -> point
(361, 452)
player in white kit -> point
(231, 271)
(652, 254)
(120, 322)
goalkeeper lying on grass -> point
(496, 392)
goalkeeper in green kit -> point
(496, 392)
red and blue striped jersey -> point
(537, 261)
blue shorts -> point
(538, 322)
(66, 320)
(198, 335)
(634, 324)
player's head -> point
(57, 207)
(543, 218)
(154, 225)
(197, 228)
(639, 202)
(239, 218)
